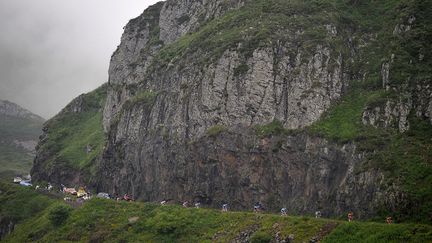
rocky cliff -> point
(296, 104)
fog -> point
(51, 51)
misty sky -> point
(53, 50)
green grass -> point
(15, 160)
(258, 24)
(101, 220)
(20, 128)
(144, 97)
(274, 128)
(375, 232)
(69, 134)
(407, 162)
(215, 130)
(18, 203)
(404, 159)
(343, 121)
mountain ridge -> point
(19, 135)
(309, 104)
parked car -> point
(103, 195)
(81, 192)
(25, 183)
(71, 191)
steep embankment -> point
(102, 220)
(17, 205)
(72, 141)
(19, 134)
(304, 104)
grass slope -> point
(101, 220)
(18, 204)
(70, 133)
(15, 160)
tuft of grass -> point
(59, 214)
(242, 69)
(343, 121)
(274, 128)
(215, 130)
(261, 237)
(375, 232)
(146, 97)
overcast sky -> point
(53, 50)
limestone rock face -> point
(297, 171)
(158, 118)
(160, 24)
(178, 18)
(191, 81)
(411, 96)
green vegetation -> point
(77, 139)
(343, 121)
(59, 214)
(404, 158)
(21, 128)
(19, 203)
(241, 70)
(102, 220)
(260, 23)
(215, 130)
(14, 159)
(261, 237)
(146, 97)
(374, 232)
(274, 128)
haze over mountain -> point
(19, 134)
(51, 51)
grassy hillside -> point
(14, 161)
(75, 139)
(101, 220)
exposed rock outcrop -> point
(153, 116)
(298, 171)
(192, 80)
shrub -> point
(59, 214)
(215, 130)
(261, 237)
(273, 128)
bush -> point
(261, 237)
(215, 130)
(59, 214)
(273, 128)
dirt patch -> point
(325, 230)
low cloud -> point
(51, 51)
